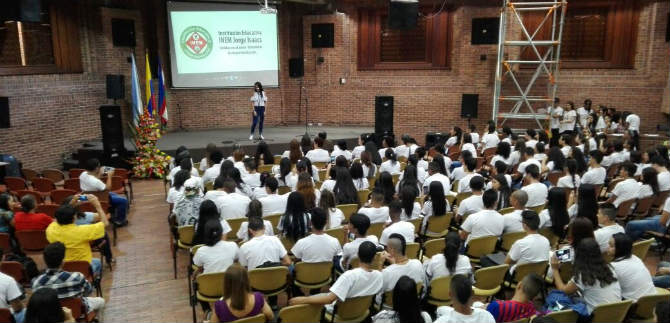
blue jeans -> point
(20, 316)
(120, 204)
(664, 280)
(635, 229)
(96, 265)
(258, 118)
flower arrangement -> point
(149, 162)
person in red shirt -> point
(521, 305)
(27, 219)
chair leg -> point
(174, 261)
(114, 233)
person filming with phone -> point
(89, 181)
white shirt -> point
(566, 181)
(604, 234)
(367, 171)
(376, 215)
(328, 185)
(405, 229)
(211, 173)
(490, 140)
(446, 184)
(402, 150)
(447, 314)
(540, 156)
(357, 282)
(451, 141)
(514, 158)
(90, 183)
(464, 183)
(274, 203)
(436, 267)
(531, 143)
(613, 158)
(475, 139)
(496, 158)
(318, 155)
(594, 176)
(663, 181)
(10, 290)
(174, 171)
(216, 258)
(416, 212)
(625, 190)
(203, 164)
(261, 249)
(252, 180)
(338, 152)
(175, 195)
(595, 295)
(566, 151)
(335, 218)
(634, 278)
(390, 316)
(537, 194)
(600, 123)
(569, 120)
(216, 196)
(361, 183)
(350, 249)
(470, 147)
(457, 173)
(633, 121)
(483, 223)
(529, 249)
(583, 116)
(512, 221)
(259, 99)
(243, 231)
(356, 153)
(234, 206)
(316, 248)
(530, 161)
(412, 269)
(470, 205)
(545, 218)
(555, 122)
(390, 167)
(645, 191)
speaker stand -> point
(306, 106)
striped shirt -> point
(506, 311)
(67, 284)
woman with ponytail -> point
(391, 164)
(216, 255)
(294, 224)
(571, 180)
(450, 262)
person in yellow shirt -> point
(77, 238)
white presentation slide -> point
(215, 45)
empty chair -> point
(44, 186)
(564, 316)
(29, 174)
(72, 184)
(39, 199)
(32, 240)
(481, 246)
(313, 275)
(76, 305)
(58, 195)
(644, 307)
(15, 183)
(439, 291)
(75, 172)
(611, 313)
(301, 313)
(55, 175)
(269, 281)
(348, 209)
(489, 280)
(354, 309)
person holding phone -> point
(89, 181)
(259, 100)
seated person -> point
(461, 310)
(89, 182)
(377, 212)
(657, 223)
(596, 174)
(216, 194)
(434, 175)
(234, 205)
(262, 250)
(11, 296)
(238, 300)
(608, 226)
(76, 238)
(361, 281)
(273, 203)
(253, 177)
(255, 209)
(537, 192)
(318, 154)
(358, 226)
(521, 305)
(404, 228)
(406, 305)
(67, 284)
(187, 210)
(628, 188)
(487, 222)
(633, 275)
(7, 205)
(532, 248)
(473, 203)
(216, 255)
(512, 220)
(318, 246)
(448, 263)
(400, 265)
(27, 219)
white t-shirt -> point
(633, 121)
(350, 249)
(335, 218)
(328, 185)
(215, 196)
(537, 194)
(216, 258)
(446, 184)
(604, 234)
(357, 282)
(361, 183)
(447, 314)
(634, 278)
(625, 190)
(390, 167)
(318, 155)
(376, 215)
(555, 122)
(595, 295)
(234, 206)
(252, 180)
(406, 229)
(566, 181)
(456, 174)
(436, 267)
(475, 138)
(497, 158)
(211, 173)
(470, 147)
(174, 171)
(569, 118)
(260, 250)
(514, 158)
(203, 164)
(470, 205)
(413, 269)
(416, 212)
(583, 116)
(402, 150)
(356, 153)
(483, 223)
(512, 221)
(529, 249)
(338, 152)
(274, 204)
(390, 316)
(316, 248)
(663, 181)
(545, 218)
(594, 176)
(176, 195)
(9, 290)
(522, 166)
(91, 183)
(490, 140)
(464, 183)
(451, 141)
(243, 232)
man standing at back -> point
(89, 182)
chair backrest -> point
(268, 280)
(508, 239)
(462, 196)
(274, 219)
(564, 316)
(363, 195)
(433, 247)
(210, 285)
(371, 181)
(75, 305)
(54, 175)
(313, 273)
(29, 174)
(624, 208)
(7, 317)
(277, 159)
(82, 267)
(417, 224)
(43, 184)
(301, 313)
(454, 185)
(320, 165)
(4, 242)
(641, 248)
(659, 200)
(322, 175)
(412, 250)
(522, 270)
(265, 168)
(353, 308)
(337, 233)
(75, 172)
(611, 313)
(186, 234)
(439, 224)
(439, 288)
(117, 183)
(260, 318)
(15, 183)
(13, 269)
(57, 196)
(376, 229)
(377, 262)
(506, 210)
(281, 190)
(48, 209)
(490, 277)
(538, 208)
(645, 305)
(38, 197)
(348, 209)
(481, 246)
(32, 240)
(103, 196)
(72, 184)
(644, 205)
(553, 177)
(550, 235)
(235, 225)
(489, 151)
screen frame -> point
(188, 6)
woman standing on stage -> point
(259, 99)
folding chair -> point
(75, 172)
(15, 270)
(489, 280)
(658, 201)
(611, 313)
(183, 239)
(643, 206)
(508, 239)
(207, 288)
(438, 226)
(641, 248)
(301, 313)
(32, 240)
(363, 195)
(553, 177)
(29, 174)
(265, 168)
(412, 250)
(270, 281)
(438, 292)
(55, 175)
(644, 308)
(260, 318)
(551, 236)
(523, 270)
(623, 210)
(354, 309)
(15, 183)
(564, 316)
(506, 210)
(85, 269)
(44, 186)
(5, 243)
(78, 309)
(433, 247)
(48, 209)
(481, 246)
(348, 209)
(376, 229)
(39, 197)
(7, 317)
(337, 233)
(274, 219)
(322, 175)
(277, 159)
(235, 225)
(417, 222)
(320, 165)
(283, 190)
(313, 275)
(72, 184)
(59, 195)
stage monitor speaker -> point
(469, 105)
(112, 131)
(384, 115)
(123, 32)
(4, 112)
(485, 31)
(115, 86)
(323, 35)
(296, 67)
(403, 14)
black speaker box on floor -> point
(485, 31)
(469, 105)
(403, 15)
(323, 35)
(296, 67)
(4, 112)
(383, 115)
(112, 131)
(123, 32)
(115, 86)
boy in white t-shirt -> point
(252, 178)
(461, 310)
(537, 192)
(627, 189)
(533, 247)
(608, 226)
(487, 222)
(404, 228)
(358, 226)
(377, 212)
(400, 265)
(318, 246)
(473, 203)
(262, 249)
(596, 174)
(513, 219)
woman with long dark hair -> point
(503, 152)
(555, 160)
(335, 215)
(259, 100)
(385, 183)
(44, 307)
(263, 155)
(571, 179)
(409, 178)
(345, 191)
(501, 186)
(294, 152)
(578, 156)
(208, 211)
(406, 305)
(284, 175)
(369, 168)
(410, 207)
(217, 254)
(294, 224)
(450, 262)
(176, 192)
(371, 148)
(357, 175)
(391, 164)
(434, 204)
(305, 144)
(455, 137)
(634, 277)
(587, 203)
(306, 187)
(555, 215)
(649, 183)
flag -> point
(162, 99)
(149, 89)
(136, 98)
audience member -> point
(533, 247)
(634, 277)
(238, 300)
(406, 305)
(487, 222)
(521, 305)
(27, 219)
(537, 192)
(448, 263)
(45, 307)
(405, 229)
(335, 215)
(89, 182)
(461, 310)
(318, 246)
(294, 224)
(262, 250)
(376, 212)
(512, 220)
(608, 226)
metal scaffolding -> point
(546, 65)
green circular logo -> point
(196, 42)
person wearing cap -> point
(187, 209)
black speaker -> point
(31, 10)
(296, 67)
(115, 86)
(403, 15)
(485, 31)
(323, 35)
(384, 115)
(112, 131)
(123, 32)
(4, 112)
(469, 105)
(667, 30)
